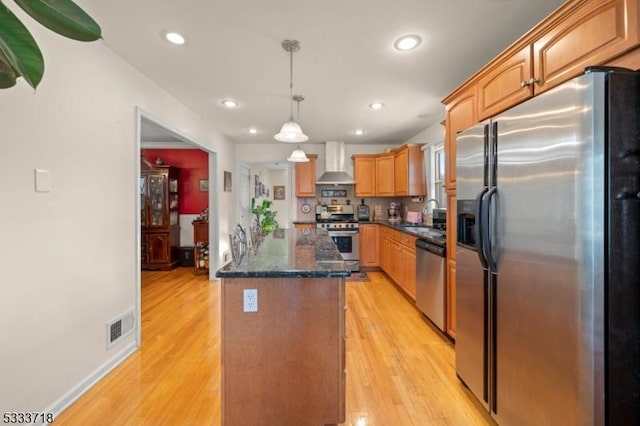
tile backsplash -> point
(376, 204)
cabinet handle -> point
(525, 83)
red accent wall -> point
(194, 166)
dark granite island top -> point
(283, 331)
(289, 253)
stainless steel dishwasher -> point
(430, 281)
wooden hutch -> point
(159, 216)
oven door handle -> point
(342, 233)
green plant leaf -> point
(7, 76)
(19, 48)
(63, 17)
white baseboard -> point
(77, 391)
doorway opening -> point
(267, 181)
(191, 193)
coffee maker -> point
(393, 212)
(363, 211)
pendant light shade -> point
(291, 131)
(298, 156)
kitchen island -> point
(284, 363)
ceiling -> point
(346, 60)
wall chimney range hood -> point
(334, 166)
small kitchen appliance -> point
(363, 211)
(439, 219)
(393, 212)
(414, 217)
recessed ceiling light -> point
(376, 105)
(252, 130)
(229, 103)
(174, 38)
(359, 132)
(407, 42)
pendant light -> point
(298, 156)
(291, 131)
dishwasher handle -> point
(431, 248)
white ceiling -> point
(346, 60)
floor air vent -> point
(119, 327)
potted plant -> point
(265, 217)
(20, 55)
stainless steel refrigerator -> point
(548, 259)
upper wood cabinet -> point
(364, 169)
(409, 171)
(306, 177)
(596, 32)
(508, 83)
(385, 186)
(580, 34)
(461, 114)
(399, 172)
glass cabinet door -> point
(157, 191)
(143, 201)
(173, 202)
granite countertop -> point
(289, 253)
(419, 230)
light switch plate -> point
(43, 180)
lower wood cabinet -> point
(304, 225)
(384, 236)
(451, 298)
(369, 246)
(398, 258)
(160, 250)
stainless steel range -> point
(343, 229)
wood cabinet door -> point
(306, 177)
(159, 248)
(505, 85)
(409, 270)
(384, 248)
(461, 114)
(369, 245)
(200, 232)
(401, 171)
(385, 175)
(304, 226)
(598, 31)
(395, 260)
(364, 169)
(451, 298)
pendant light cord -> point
(291, 84)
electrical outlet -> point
(250, 299)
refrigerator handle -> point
(479, 232)
(486, 155)
(486, 234)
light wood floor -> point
(399, 370)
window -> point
(437, 163)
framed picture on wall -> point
(278, 192)
(204, 185)
(227, 181)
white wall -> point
(431, 135)
(69, 256)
